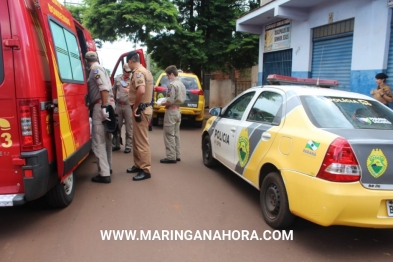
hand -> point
(136, 113)
(105, 114)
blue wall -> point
(363, 81)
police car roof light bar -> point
(280, 79)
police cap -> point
(91, 56)
(126, 68)
(131, 54)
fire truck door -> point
(69, 89)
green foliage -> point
(134, 20)
(194, 35)
(155, 70)
(77, 11)
(206, 38)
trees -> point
(206, 38)
(194, 35)
(131, 19)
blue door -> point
(332, 58)
(279, 63)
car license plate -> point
(389, 205)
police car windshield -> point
(189, 82)
(349, 113)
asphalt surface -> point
(182, 196)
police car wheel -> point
(207, 154)
(198, 124)
(155, 121)
(274, 202)
(61, 194)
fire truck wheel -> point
(62, 194)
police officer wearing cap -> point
(100, 98)
(176, 95)
(140, 95)
(383, 92)
(123, 109)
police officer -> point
(176, 94)
(123, 109)
(140, 100)
(100, 97)
(383, 92)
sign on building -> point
(278, 35)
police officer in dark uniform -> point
(141, 91)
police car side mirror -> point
(215, 111)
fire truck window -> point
(67, 54)
(75, 59)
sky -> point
(110, 52)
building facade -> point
(345, 40)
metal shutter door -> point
(331, 59)
(389, 72)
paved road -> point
(182, 196)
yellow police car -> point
(192, 108)
(320, 154)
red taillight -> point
(159, 89)
(340, 164)
(28, 173)
(197, 92)
(30, 125)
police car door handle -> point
(266, 136)
(233, 129)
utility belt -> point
(142, 106)
(122, 103)
(109, 100)
(172, 107)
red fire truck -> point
(44, 115)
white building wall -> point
(371, 32)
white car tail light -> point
(340, 164)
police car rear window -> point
(352, 113)
(189, 82)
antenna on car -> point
(320, 65)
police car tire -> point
(274, 202)
(155, 121)
(61, 194)
(207, 154)
(198, 124)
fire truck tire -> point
(62, 194)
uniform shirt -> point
(98, 81)
(176, 93)
(387, 91)
(141, 77)
(121, 95)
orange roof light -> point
(280, 79)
